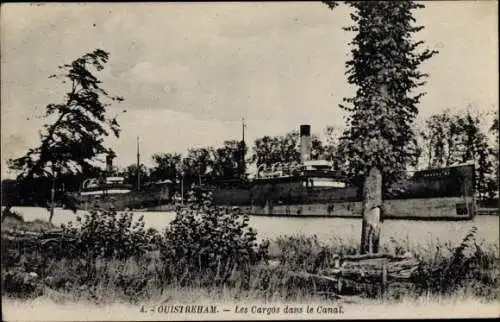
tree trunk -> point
(372, 206)
(52, 198)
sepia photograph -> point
(249, 160)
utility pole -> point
(138, 167)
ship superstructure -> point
(305, 188)
(315, 188)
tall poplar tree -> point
(384, 67)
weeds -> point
(469, 268)
(108, 255)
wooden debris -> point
(385, 256)
(376, 270)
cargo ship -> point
(432, 194)
(113, 192)
(311, 188)
(314, 188)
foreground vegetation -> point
(210, 253)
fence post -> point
(372, 203)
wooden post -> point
(372, 204)
(52, 196)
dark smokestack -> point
(109, 163)
(305, 142)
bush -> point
(206, 244)
(108, 234)
(23, 284)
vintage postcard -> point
(249, 160)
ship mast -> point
(243, 130)
(138, 167)
(243, 147)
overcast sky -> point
(190, 71)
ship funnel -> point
(305, 143)
(109, 163)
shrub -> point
(17, 281)
(207, 244)
(109, 234)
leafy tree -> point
(379, 140)
(226, 162)
(495, 129)
(384, 68)
(129, 175)
(165, 168)
(199, 162)
(241, 154)
(476, 148)
(268, 150)
(10, 192)
(458, 138)
(331, 144)
(285, 149)
(441, 136)
(75, 137)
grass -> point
(13, 220)
(127, 282)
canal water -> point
(410, 232)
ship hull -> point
(446, 193)
(450, 208)
(122, 201)
(443, 194)
(428, 208)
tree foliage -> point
(495, 130)
(201, 164)
(229, 161)
(75, 130)
(283, 148)
(330, 146)
(385, 69)
(129, 174)
(458, 138)
(75, 138)
(165, 166)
